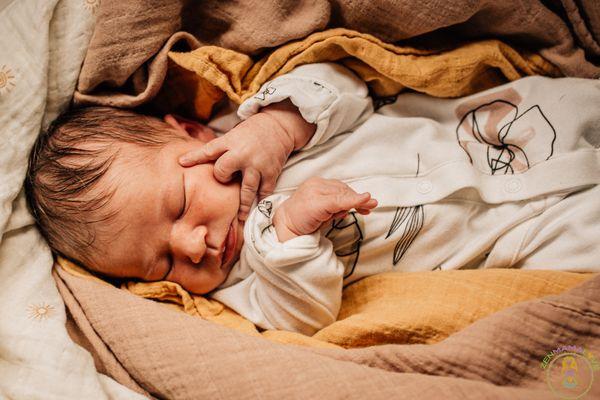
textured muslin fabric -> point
(386, 68)
(42, 46)
(413, 307)
(130, 34)
(173, 355)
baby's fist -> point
(315, 202)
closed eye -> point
(182, 210)
(168, 256)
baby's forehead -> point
(130, 158)
(138, 175)
(130, 166)
(141, 192)
(131, 190)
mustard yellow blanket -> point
(197, 80)
(415, 307)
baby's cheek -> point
(240, 240)
(202, 280)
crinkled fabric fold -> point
(174, 355)
(418, 307)
(124, 56)
(197, 78)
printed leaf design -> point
(411, 219)
(347, 237)
(399, 217)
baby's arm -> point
(298, 110)
(295, 280)
(328, 95)
(259, 147)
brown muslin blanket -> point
(126, 62)
(197, 80)
(165, 353)
(417, 307)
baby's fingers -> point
(368, 205)
(208, 152)
(345, 201)
(366, 208)
(267, 186)
(361, 202)
(226, 166)
(248, 190)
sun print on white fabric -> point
(40, 311)
(92, 5)
(7, 79)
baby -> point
(485, 181)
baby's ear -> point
(191, 128)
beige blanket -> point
(126, 62)
(168, 354)
(418, 307)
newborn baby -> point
(485, 181)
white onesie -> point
(503, 178)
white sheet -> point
(42, 45)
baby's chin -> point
(240, 241)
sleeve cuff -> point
(313, 98)
(263, 243)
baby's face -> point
(172, 223)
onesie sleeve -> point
(328, 95)
(294, 286)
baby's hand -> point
(258, 147)
(315, 202)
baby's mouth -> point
(228, 251)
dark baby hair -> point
(67, 162)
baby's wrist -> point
(284, 233)
(294, 126)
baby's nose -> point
(198, 244)
(192, 245)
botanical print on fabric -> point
(498, 138)
(346, 235)
(410, 219)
